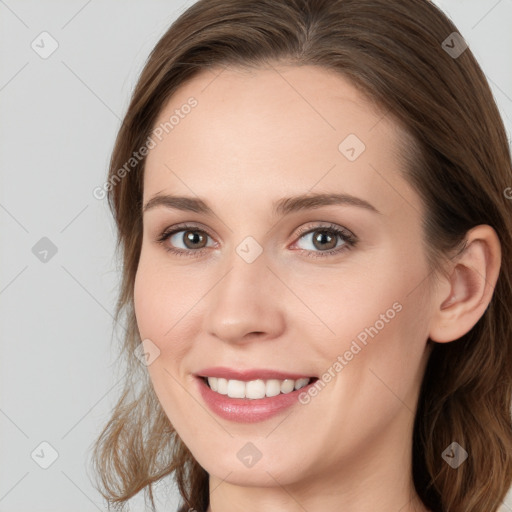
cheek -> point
(378, 323)
(159, 309)
(167, 305)
(148, 302)
(354, 306)
(394, 357)
(156, 296)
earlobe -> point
(470, 286)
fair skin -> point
(254, 138)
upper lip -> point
(250, 374)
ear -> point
(463, 296)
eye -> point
(323, 240)
(191, 238)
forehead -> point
(286, 129)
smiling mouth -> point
(256, 389)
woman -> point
(268, 371)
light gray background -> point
(58, 120)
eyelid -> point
(184, 226)
(316, 226)
(310, 226)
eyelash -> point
(348, 238)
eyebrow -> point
(281, 207)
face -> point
(264, 292)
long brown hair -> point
(404, 56)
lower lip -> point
(246, 410)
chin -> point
(263, 473)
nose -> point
(247, 303)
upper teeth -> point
(255, 388)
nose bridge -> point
(247, 263)
(247, 282)
(246, 298)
